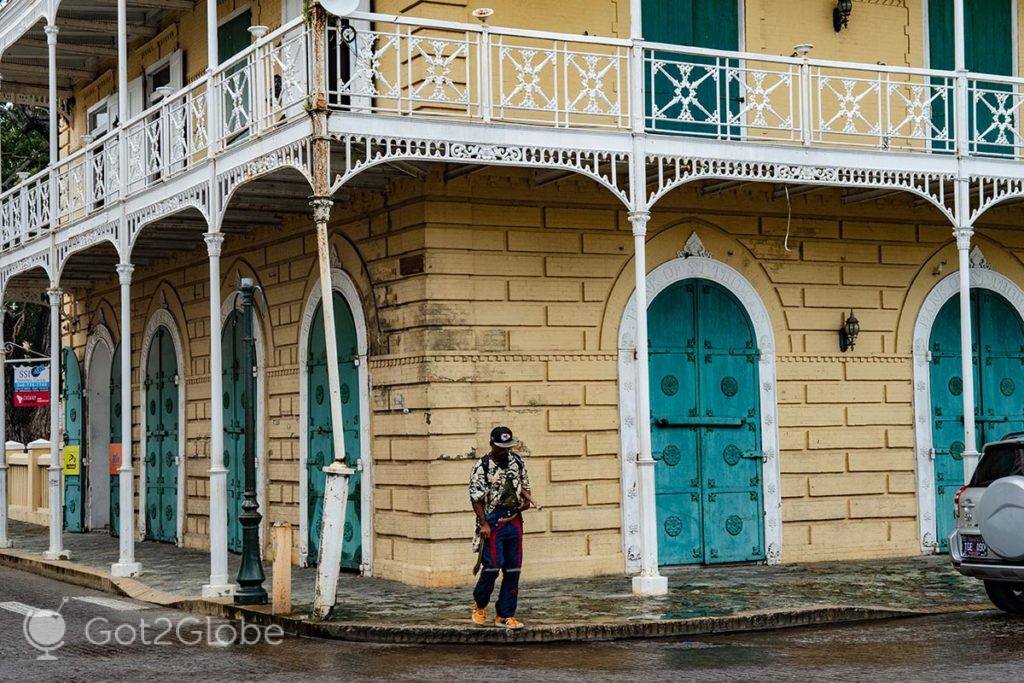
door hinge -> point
(928, 355)
(931, 454)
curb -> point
(764, 620)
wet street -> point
(105, 638)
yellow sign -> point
(72, 460)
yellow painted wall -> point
(492, 300)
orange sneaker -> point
(511, 623)
(479, 615)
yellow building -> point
(498, 181)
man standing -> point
(499, 489)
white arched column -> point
(343, 284)
(162, 318)
(942, 292)
(634, 503)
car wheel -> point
(1009, 597)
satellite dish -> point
(340, 8)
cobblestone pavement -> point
(910, 583)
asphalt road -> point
(107, 638)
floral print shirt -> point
(495, 486)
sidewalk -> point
(706, 598)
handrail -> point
(408, 66)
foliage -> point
(24, 140)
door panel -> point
(705, 411)
(161, 439)
(998, 363)
(115, 438)
(74, 519)
(695, 95)
(234, 400)
(320, 442)
(988, 36)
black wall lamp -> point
(841, 14)
(848, 333)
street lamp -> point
(250, 573)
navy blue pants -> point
(503, 552)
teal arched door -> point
(115, 438)
(234, 401)
(320, 445)
(74, 519)
(161, 438)
(705, 426)
(998, 360)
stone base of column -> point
(6, 544)
(57, 555)
(124, 570)
(224, 590)
(650, 585)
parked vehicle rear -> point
(988, 542)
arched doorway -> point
(997, 332)
(115, 440)
(74, 517)
(705, 426)
(161, 405)
(319, 430)
(98, 359)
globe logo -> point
(44, 630)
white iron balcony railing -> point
(383, 65)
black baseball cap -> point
(502, 437)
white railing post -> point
(51, 52)
(213, 97)
(486, 71)
(637, 88)
(806, 102)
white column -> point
(220, 585)
(122, 95)
(51, 52)
(212, 60)
(959, 37)
(126, 564)
(5, 542)
(336, 487)
(56, 550)
(963, 247)
(649, 582)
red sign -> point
(115, 458)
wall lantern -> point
(841, 14)
(848, 333)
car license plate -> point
(974, 547)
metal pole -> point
(220, 585)
(338, 473)
(126, 564)
(250, 573)
(56, 550)
(122, 97)
(970, 454)
(5, 542)
(213, 101)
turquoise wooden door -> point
(681, 97)
(998, 361)
(988, 42)
(161, 439)
(235, 398)
(74, 519)
(115, 438)
(320, 449)
(705, 426)
(232, 37)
